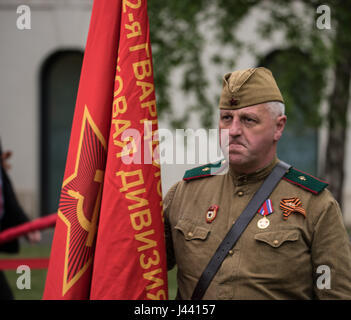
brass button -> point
(231, 252)
(302, 178)
(190, 234)
(206, 169)
(240, 193)
(275, 242)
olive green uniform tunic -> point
(278, 262)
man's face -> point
(253, 135)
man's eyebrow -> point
(225, 112)
(249, 114)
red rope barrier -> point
(20, 230)
(37, 224)
(33, 263)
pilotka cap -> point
(248, 87)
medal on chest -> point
(265, 210)
(211, 213)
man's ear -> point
(279, 127)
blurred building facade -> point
(40, 69)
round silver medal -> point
(263, 223)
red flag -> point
(91, 190)
(70, 267)
(130, 258)
(69, 273)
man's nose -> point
(235, 128)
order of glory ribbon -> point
(291, 205)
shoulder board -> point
(305, 181)
(207, 170)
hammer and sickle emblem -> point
(86, 224)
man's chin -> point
(237, 159)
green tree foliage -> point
(178, 42)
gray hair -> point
(276, 108)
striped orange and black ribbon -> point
(291, 205)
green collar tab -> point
(206, 170)
(305, 181)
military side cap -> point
(207, 170)
(244, 88)
(305, 181)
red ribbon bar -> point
(32, 263)
(20, 230)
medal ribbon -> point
(266, 209)
(291, 205)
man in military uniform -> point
(295, 247)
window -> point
(59, 84)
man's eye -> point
(249, 120)
(226, 117)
